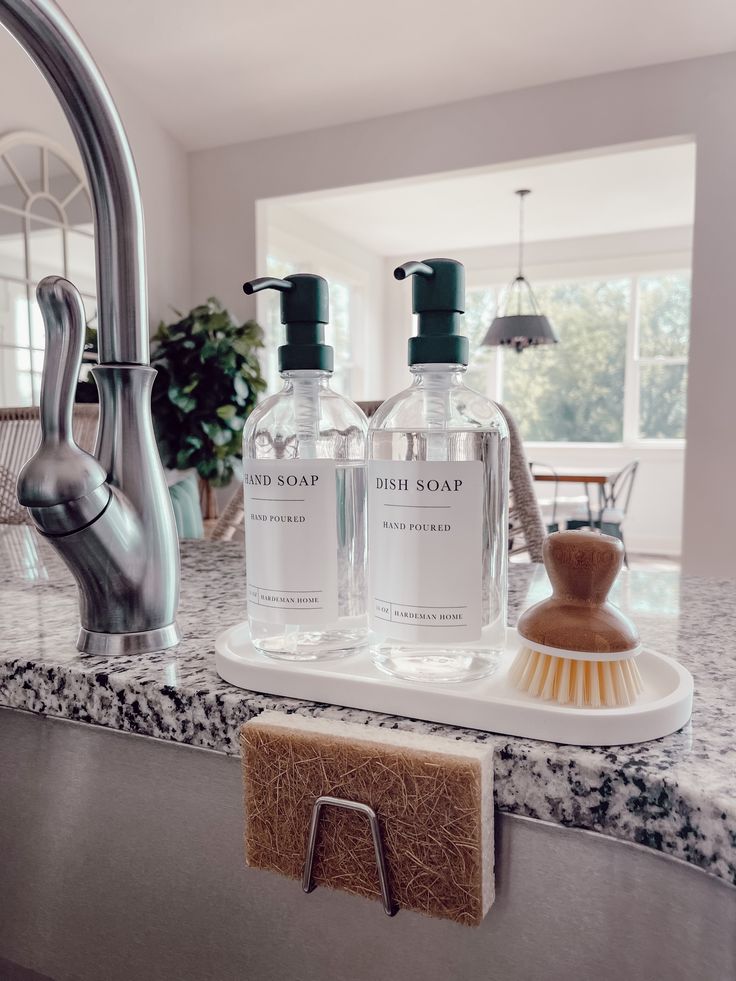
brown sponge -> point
(433, 797)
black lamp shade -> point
(520, 330)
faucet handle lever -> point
(62, 485)
(63, 318)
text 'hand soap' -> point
(437, 502)
(304, 481)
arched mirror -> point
(46, 228)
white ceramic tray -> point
(490, 704)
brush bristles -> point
(581, 683)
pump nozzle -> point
(305, 309)
(438, 294)
(266, 283)
(413, 268)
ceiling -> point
(624, 191)
(225, 71)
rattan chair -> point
(231, 518)
(526, 528)
(20, 434)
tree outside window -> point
(577, 391)
(663, 341)
(480, 309)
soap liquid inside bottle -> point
(440, 420)
(306, 421)
(441, 663)
(304, 643)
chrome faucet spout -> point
(109, 516)
(61, 56)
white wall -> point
(29, 104)
(692, 98)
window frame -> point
(635, 362)
(45, 146)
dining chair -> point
(559, 507)
(20, 434)
(526, 528)
(616, 500)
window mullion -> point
(631, 369)
(662, 360)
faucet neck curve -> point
(59, 53)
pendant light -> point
(513, 327)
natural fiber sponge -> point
(433, 797)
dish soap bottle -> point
(304, 482)
(438, 489)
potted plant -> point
(208, 382)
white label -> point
(291, 540)
(425, 524)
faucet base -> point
(142, 642)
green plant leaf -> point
(219, 436)
(209, 350)
(207, 383)
(184, 402)
(242, 388)
(183, 459)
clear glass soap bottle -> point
(438, 484)
(304, 486)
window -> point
(619, 372)
(480, 309)
(661, 355)
(339, 335)
(45, 229)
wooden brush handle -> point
(582, 565)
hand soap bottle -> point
(437, 502)
(304, 482)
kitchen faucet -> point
(108, 515)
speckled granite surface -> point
(677, 795)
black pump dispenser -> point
(305, 309)
(438, 297)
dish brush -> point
(579, 649)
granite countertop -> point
(674, 794)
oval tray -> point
(490, 704)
